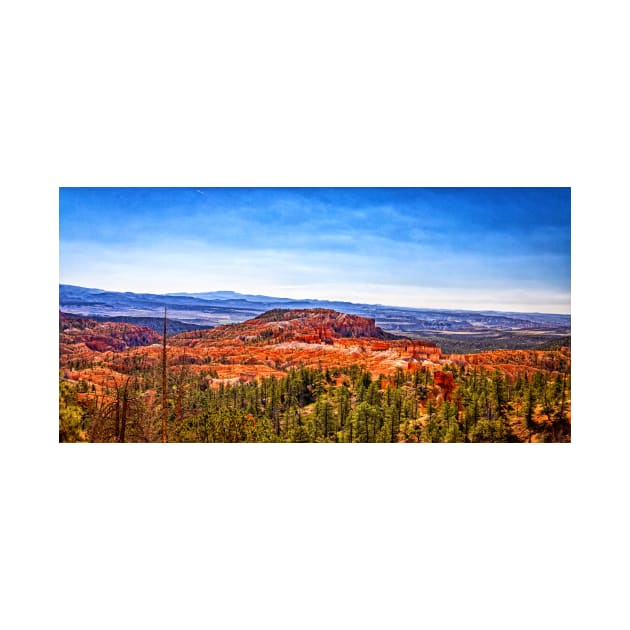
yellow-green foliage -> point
(70, 416)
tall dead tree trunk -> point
(123, 417)
(164, 410)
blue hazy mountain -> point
(220, 307)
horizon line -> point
(311, 299)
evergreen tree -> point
(71, 417)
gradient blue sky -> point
(474, 248)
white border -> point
(335, 94)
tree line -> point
(152, 404)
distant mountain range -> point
(187, 311)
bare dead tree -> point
(164, 409)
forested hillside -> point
(306, 376)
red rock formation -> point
(380, 345)
(100, 353)
(444, 380)
(78, 333)
(516, 362)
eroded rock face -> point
(445, 381)
(79, 333)
(272, 344)
(516, 362)
(320, 324)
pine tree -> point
(71, 417)
(529, 412)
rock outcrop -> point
(79, 333)
(322, 324)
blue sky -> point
(475, 248)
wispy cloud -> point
(415, 248)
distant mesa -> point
(324, 323)
(310, 325)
